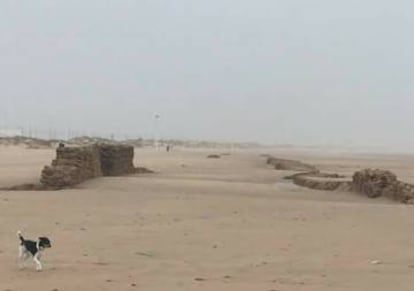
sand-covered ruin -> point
(372, 183)
(380, 183)
(74, 165)
(321, 181)
(292, 165)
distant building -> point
(10, 132)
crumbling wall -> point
(325, 185)
(116, 160)
(320, 181)
(377, 183)
(373, 182)
(74, 165)
(370, 182)
(292, 165)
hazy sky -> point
(308, 72)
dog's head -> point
(44, 242)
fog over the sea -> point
(274, 71)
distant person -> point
(168, 148)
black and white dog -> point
(29, 248)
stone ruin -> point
(116, 160)
(320, 181)
(379, 183)
(74, 165)
(370, 182)
(292, 165)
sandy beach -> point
(207, 224)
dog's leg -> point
(21, 257)
(25, 257)
(37, 261)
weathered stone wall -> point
(373, 182)
(116, 160)
(369, 182)
(377, 183)
(325, 185)
(321, 181)
(74, 165)
(292, 165)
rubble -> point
(380, 183)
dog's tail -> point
(20, 236)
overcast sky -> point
(303, 72)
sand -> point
(204, 224)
